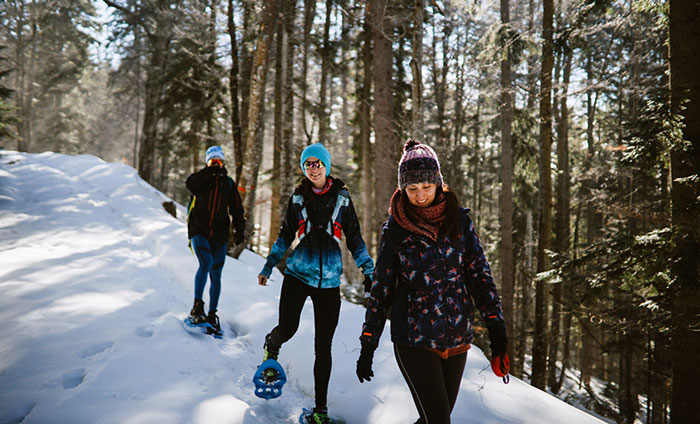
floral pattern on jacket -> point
(428, 286)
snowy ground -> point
(95, 279)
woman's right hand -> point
(364, 364)
(262, 280)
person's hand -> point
(500, 364)
(262, 280)
(364, 364)
(367, 283)
(498, 339)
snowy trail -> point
(96, 278)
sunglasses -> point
(315, 164)
(218, 162)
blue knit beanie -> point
(318, 151)
(214, 152)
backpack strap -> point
(341, 203)
(190, 207)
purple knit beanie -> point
(419, 164)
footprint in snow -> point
(145, 331)
(235, 331)
(73, 378)
(94, 349)
(18, 413)
(156, 313)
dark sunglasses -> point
(315, 164)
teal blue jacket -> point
(318, 222)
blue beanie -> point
(318, 151)
(214, 152)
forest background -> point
(571, 129)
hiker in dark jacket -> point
(319, 211)
(430, 264)
(214, 197)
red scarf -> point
(425, 221)
(324, 190)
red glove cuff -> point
(501, 365)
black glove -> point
(497, 336)
(239, 237)
(500, 364)
(367, 283)
(364, 364)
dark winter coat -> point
(319, 221)
(215, 196)
(428, 286)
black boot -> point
(197, 313)
(270, 352)
(213, 320)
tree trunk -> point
(540, 343)
(23, 96)
(506, 209)
(416, 66)
(246, 66)
(684, 37)
(367, 214)
(476, 166)
(149, 134)
(326, 65)
(385, 145)
(253, 154)
(276, 178)
(309, 12)
(562, 240)
(233, 89)
(288, 93)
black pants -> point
(326, 312)
(433, 381)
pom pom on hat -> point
(214, 152)
(419, 164)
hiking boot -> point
(319, 416)
(270, 352)
(197, 313)
(213, 320)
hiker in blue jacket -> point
(214, 197)
(429, 265)
(318, 211)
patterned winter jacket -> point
(427, 285)
(318, 225)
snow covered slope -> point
(95, 279)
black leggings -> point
(433, 381)
(326, 312)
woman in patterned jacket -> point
(429, 266)
(319, 211)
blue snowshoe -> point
(269, 379)
(204, 328)
(207, 324)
